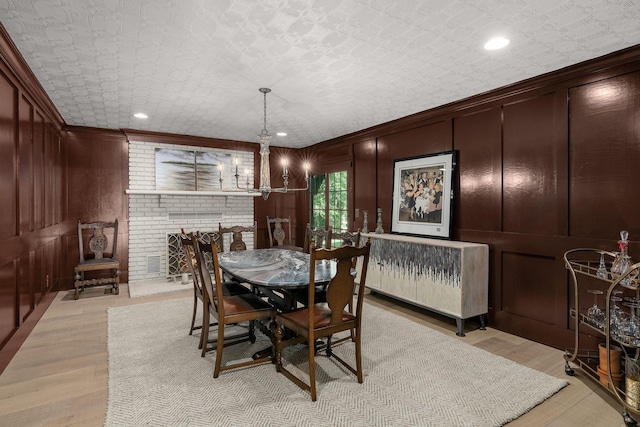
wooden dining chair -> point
(199, 297)
(323, 320)
(237, 244)
(103, 267)
(230, 309)
(321, 238)
(278, 237)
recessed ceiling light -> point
(281, 134)
(140, 116)
(496, 43)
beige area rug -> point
(413, 376)
(157, 286)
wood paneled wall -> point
(544, 166)
(32, 195)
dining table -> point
(279, 274)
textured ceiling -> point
(334, 66)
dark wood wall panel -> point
(478, 139)
(534, 163)
(25, 171)
(25, 285)
(529, 291)
(38, 171)
(8, 93)
(604, 153)
(364, 182)
(8, 317)
(94, 163)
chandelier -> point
(265, 171)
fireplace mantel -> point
(193, 193)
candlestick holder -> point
(379, 229)
(365, 225)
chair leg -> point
(193, 318)
(204, 331)
(216, 371)
(252, 331)
(312, 370)
(359, 358)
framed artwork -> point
(423, 195)
(175, 169)
(190, 170)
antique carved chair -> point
(321, 238)
(318, 320)
(103, 267)
(237, 244)
(199, 297)
(346, 238)
(230, 309)
(278, 237)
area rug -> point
(413, 376)
(158, 286)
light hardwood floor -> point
(59, 376)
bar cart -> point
(616, 319)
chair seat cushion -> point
(97, 264)
(321, 316)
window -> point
(329, 201)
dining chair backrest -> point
(319, 237)
(190, 258)
(277, 234)
(339, 291)
(198, 294)
(189, 253)
(211, 288)
(351, 238)
(237, 244)
(99, 241)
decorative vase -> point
(615, 353)
(632, 382)
(604, 378)
(185, 278)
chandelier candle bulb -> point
(285, 171)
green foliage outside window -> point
(329, 201)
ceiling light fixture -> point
(265, 171)
(496, 43)
(140, 116)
